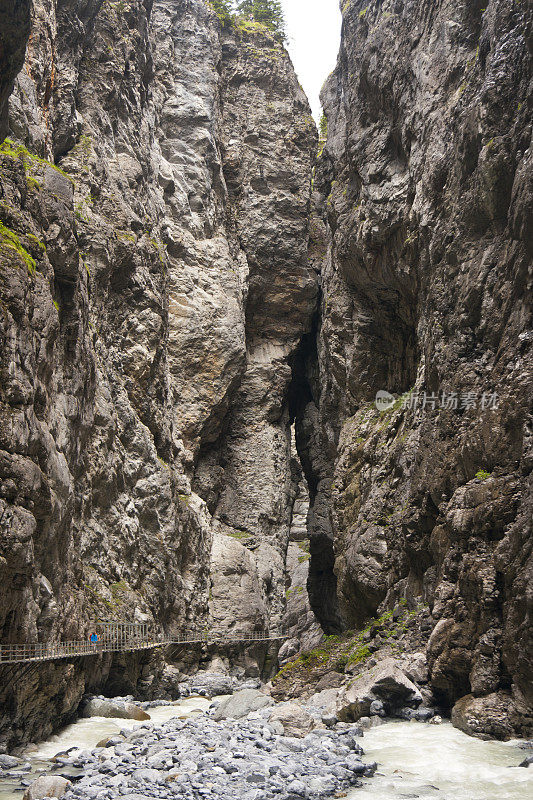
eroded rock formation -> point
(14, 31)
(427, 287)
(173, 300)
(150, 301)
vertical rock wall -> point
(150, 302)
(426, 192)
(245, 470)
(170, 303)
(15, 28)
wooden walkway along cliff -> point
(114, 637)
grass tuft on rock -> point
(348, 650)
(482, 474)
(18, 151)
(10, 242)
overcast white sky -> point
(313, 29)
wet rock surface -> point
(203, 757)
(113, 708)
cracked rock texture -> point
(302, 627)
(427, 198)
(174, 303)
(14, 31)
(150, 301)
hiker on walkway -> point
(93, 638)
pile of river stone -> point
(202, 758)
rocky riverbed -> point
(243, 745)
(200, 757)
(228, 738)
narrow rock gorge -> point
(197, 312)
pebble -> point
(8, 762)
(199, 757)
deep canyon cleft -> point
(197, 312)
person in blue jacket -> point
(93, 638)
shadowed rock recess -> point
(194, 325)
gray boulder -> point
(386, 683)
(212, 683)
(377, 707)
(424, 714)
(8, 762)
(134, 797)
(295, 721)
(415, 667)
(325, 700)
(148, 774)
(241, 704)
(46, 786)
(113, 709)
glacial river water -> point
(85, 735)
(439, 762)
(415, 760)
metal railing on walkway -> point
(116, 637)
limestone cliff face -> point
(150, 304)
(14, 31)
(172, 302)
(426, 193)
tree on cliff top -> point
(223, 9)
(267, 12)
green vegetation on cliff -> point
(252, 15)
(350, 649)
(223, 9)
(31, 160)
(267, 12)
(10, 242)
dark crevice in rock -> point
(322, 583)
(15, 18)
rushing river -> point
(85, 735)
(439, 762)
(415, 760)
